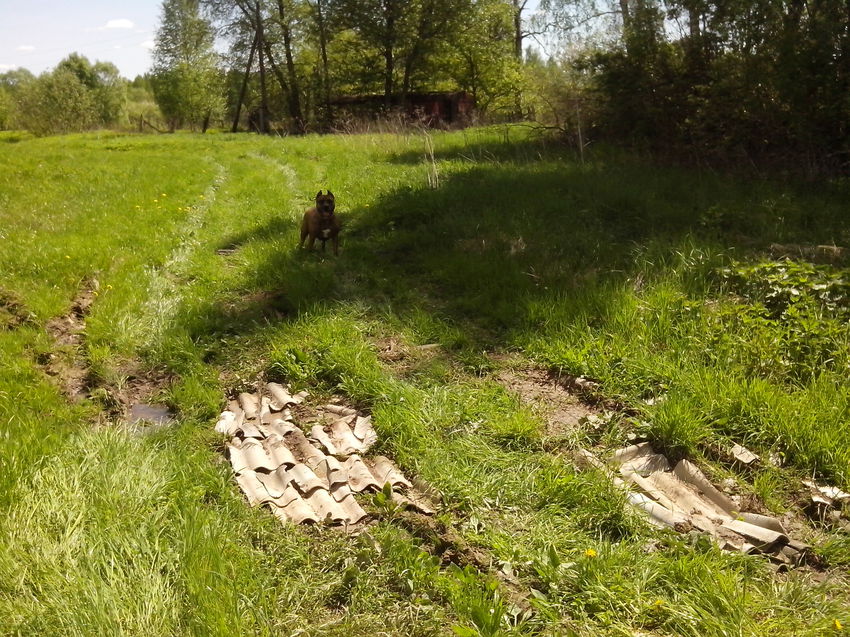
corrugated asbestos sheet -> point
(683, 498)
(306, 478)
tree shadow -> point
(499, 239)
(269, 230)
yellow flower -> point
(67, 257)
(837, 624)
(590, 553)
(658, 603)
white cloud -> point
(147, 44)
(121, 23)
(26, 47)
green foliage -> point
(479, 58)
(615, 276)
(7, 106)
(783, 285)
(106, 86)
(57, 102)
(185, 76)
(75, 96)
(746, 80)
(12, 83)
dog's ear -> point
(330, 194)
(318, 194)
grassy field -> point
(656, 282)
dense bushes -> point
(75, 96)
(751, 80)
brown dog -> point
(321, 223)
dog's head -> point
(325, 204)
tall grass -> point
(607, 268)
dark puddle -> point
(144, 419)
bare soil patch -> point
(391, 350)
(561, 410)
(133, 399)
(13, 312)
(67, 364)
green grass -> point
(643, 278)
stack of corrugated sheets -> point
(682, 497)
(305, 478)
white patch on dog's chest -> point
(326, 233)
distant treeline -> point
(75, 96)
(737, 81)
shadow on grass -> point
(498, 238)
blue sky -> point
(37, 34)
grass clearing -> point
(655, 282)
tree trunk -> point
(389, 51)
(408, 70)
(323, 47)
(244, 84)
(294, 93)
(276, 70)
(696, 51)
(264, 96)
(627, 18)
(518, 6)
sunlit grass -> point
(609, 269)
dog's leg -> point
(336, 245)
(304, 234)
(324, 241)
(310, 242)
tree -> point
(748, 79)
(382, 24)
(406, 33)
(480, 56)
(104, 83)
(12, 84)
(186, 80)
(57, 102)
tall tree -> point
(480, 56)
(406, 33)
(284, 20)
(319, 12)
(104, 82)
(186, 80)
(382, 24)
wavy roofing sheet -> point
(682, 497)
(306, 478)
